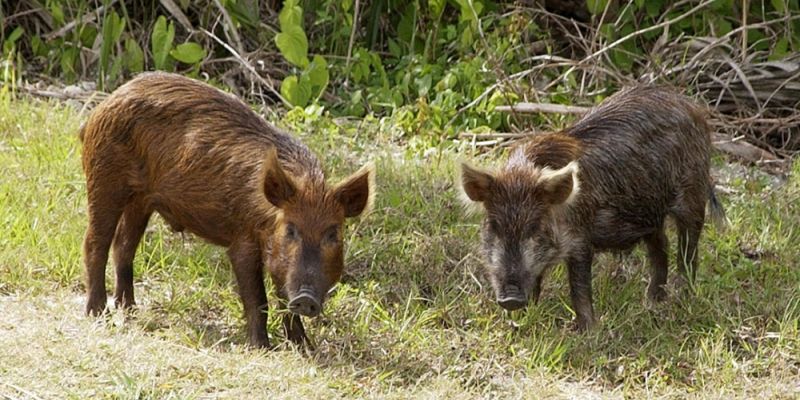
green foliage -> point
(161, 43)
(292, 43)
(8, 44)
(188, 53)
(421, 61)
(113, 26)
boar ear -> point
(475, 183)
(356, 193)
(560, 186)
(278, 187)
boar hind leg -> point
(579, 269)
(129, 232)
(688, 236)
(293, 326)
(659, 263)
(249, 270)
(104, 213)
(689, 222)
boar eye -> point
(291, 232)
(332, 234)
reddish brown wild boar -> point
(606, 183)
(208, 164)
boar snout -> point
(305, 303)
(512, 298)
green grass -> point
(414, 316)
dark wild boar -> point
(208, 164)
(606, 183)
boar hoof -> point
(656, 293)
(96, 307)
(260, 343)
(582, 325)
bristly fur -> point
(208, 164)
(640, 157)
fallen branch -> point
(493, 135)
(543, 108)
(68, 93)
(723, 143)
(741, 149)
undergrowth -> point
(413, 315)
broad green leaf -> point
(436, 8)
(116, 67)
(653, 7)
(13, 37)
(56, 12)
(293, 45)
(779, 5)
(38, 46)
(68, 57)
(134, 56)
(405, 27)
(112, 30)
(318, 75)
(188, 53)
(297, 92)
(722, 5)
(346, 5)
(245, 12)
(780, 49)
(596, 7)
(88, 34)
(291, 15)
(161, 42)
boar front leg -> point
(293, 326)
(249, 270)
(579, 269)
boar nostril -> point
(512, 298)
(305, 303)
(512, 303)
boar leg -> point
(688, 236)
(579, 269)
(129, 232)
(659, 264)
(249, 270)
(689, 221)
(104, 212)
(293, 326)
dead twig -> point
(542, 108)
(178, 14)
(249, 67)
(352, 37)
(230, 28)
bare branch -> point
(249, 67)
(542, 108)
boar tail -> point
(716, 210)
(81, 133)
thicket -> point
(437, 67)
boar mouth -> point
(305, 303)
